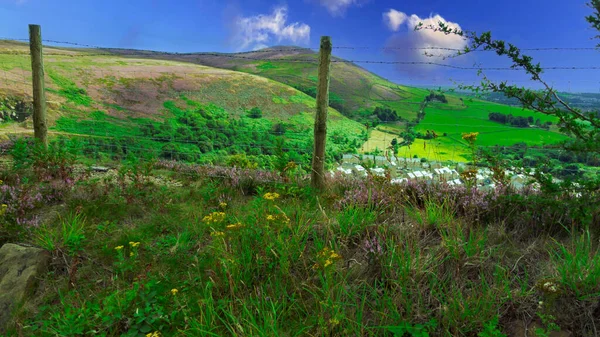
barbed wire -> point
(295, 60)
(463, 49)
(270, 49)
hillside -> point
(357, 92)
(179, 109)
(133, 87)
(353, 89)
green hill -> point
(180, 110)
(132, 87)
(356, 92)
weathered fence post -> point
(40, 127)
(318, 161)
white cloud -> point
(394, 19)
(411, 45)
(339, 7)
(260, 30)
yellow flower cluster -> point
(3, 209)
(118, 247)
(290, 166)
(235, 226)
(271, 196)
(217, 234)
(222, 204)
(1, 182)
(281, 217)
(326, 258)
(174, 291)
(214, 217)
(470, 137)
(154, 334)
(134, 244)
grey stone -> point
(20, 268)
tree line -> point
(517, 121)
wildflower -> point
(270, 217)
(174, 291)
(134, 244)
(217, 234)
(334, 321)
(550, 287)
(154, 334)
(131, 254)
(470, 137)
(326, 256)
(3, 209)
(271, 196)
(223, 204)
(1, 182)
(118, 247)
(234, 226)
(214, 217)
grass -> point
(146, 249)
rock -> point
(99, 169)
(20, 268)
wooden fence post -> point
(318, 161)
(40, 127)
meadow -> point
(160, 248)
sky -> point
(361, 30)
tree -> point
(583, 126)
(255, 113)
(594, 18)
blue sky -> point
(226, 26)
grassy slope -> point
(140, 86)
(359, 89)
(356, 87)
(262, 268)
(130, 92)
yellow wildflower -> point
(334, 321)
(290, 166)
(1, 182)
(270, 217)
(119, 247)
(223, 204)
(217, 234)
(154, 334)
(131, 254)
(3, 209)
(214, 217)
(134, 244)
(271, 196)
(470, 137)
(234, 226)
(326, 257)
(174, 291)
